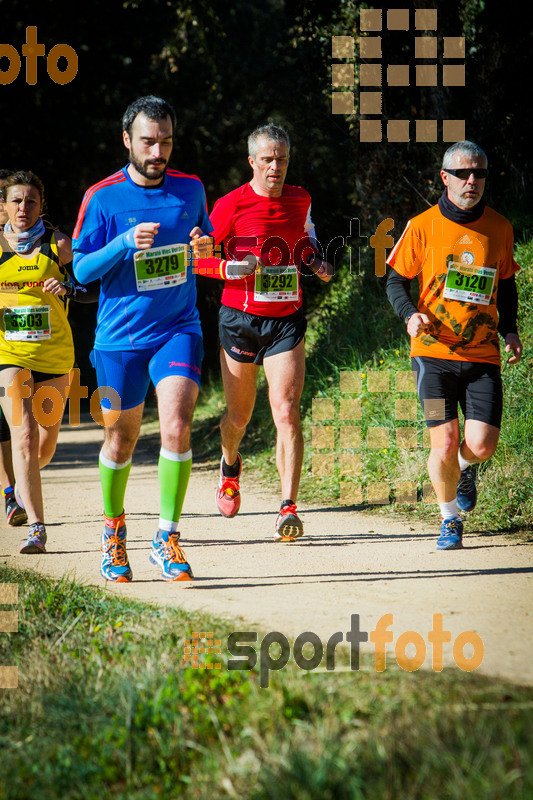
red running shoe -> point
(228, 494)
(288, 525)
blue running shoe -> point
(168, 555)
(451, 534)
(36, 541)
(466, 490)
(115, 566)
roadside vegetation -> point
(108, 708)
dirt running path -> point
(347, 563)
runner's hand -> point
(514, 345)
(241, 269)
(417, 324)
(53, 286)
(322, 269)
(202, 246)
(144, 234)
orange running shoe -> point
(168, 555)
(115, 565)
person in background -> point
(461, 252)
(36, 347)
(268, 233)
(15, 514)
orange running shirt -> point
(458, 268)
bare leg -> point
(285, 373)
(17, 407)
(7, 476)
(480, 441)
(176, 399)
(443, 465)
(239, 387)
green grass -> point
(354, 330)
(107, 708)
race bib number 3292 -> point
(276, 284)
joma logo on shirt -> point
(25, 269)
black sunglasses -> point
(464, 174)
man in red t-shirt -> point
(461, 251)
(267, 232)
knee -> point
(177, 435)
(482, 450)
(287, 414)
(237, 418)
(119, 448)
(445, 444)
(26, 436)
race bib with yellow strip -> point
(27, 323)
(161, 267)
(469, 284)
(276, 284)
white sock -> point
(450, 509)
(168, 525)
(463, 463)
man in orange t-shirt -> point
(461, 251)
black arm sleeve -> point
(399, 294)
(507, 305)
(79, 293)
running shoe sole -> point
(18, 517)
(185, 575)
(289, 531)
(32, 549)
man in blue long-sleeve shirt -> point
(132, 232)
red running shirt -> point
(275, 229)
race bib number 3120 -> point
(470, 284)
(161, 267)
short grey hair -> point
(274, 133)
(467, 148)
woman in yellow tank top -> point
(36, 348)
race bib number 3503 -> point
(161, 267)
(276, 284)
(27, 323)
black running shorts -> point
(249, 338)
(443, 384)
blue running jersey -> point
(128, 317)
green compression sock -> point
(174, 472)
(114, 478)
